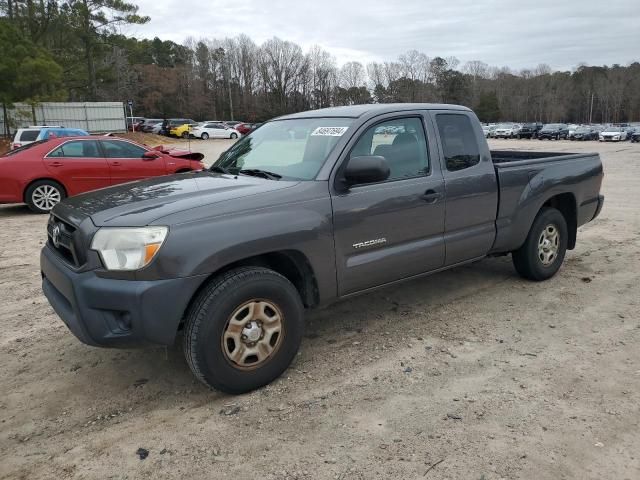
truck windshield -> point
(294, 149)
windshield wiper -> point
(218, 169)
(256, 172)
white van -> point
(25, 136)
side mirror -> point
(150, 155)
(366, 169)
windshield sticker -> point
(329, 131)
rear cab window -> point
(459, 144)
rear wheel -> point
(545, 247)
(233, 135)
(43, 195)
(204, 136)
(185, 134)
(244, 329)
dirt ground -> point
(469, 374)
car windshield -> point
(613, 130)
(551, 126)
(294, 149)
(583, 129)
(505, 125)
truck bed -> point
(526, 179)
(508, 156)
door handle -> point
(55, 164)
(116, 164)
(430, 196)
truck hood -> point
(142, 202)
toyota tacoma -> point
(310, 208)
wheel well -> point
(183, 170)
(566, 204)
(26, 188)
(291, 264)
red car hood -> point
(177, 153)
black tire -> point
(204, 136)
(34, 195)
(527, 259)
(185, 134)
(233, 136)
(209, 316)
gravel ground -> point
(473, 373)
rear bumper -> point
(115, 313)
(598, 207)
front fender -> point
(208, 245)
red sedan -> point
(243, 128)
(43, 173)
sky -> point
(518, 34)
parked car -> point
(173, 123)
(492, 130)
(180, 127)
(24, 136)
(244, 128)
(157, 129)
(181, 131)
(630, 131)
(232, 257)
(613, 134)
(584, 133)
(572, 128)
(214, 130)
(554, 131)
(486, 130)
(149, 123)
(506, 130)
(43, 133)
(530, 130)
(134, 123)
(44, 172)
(635, 136)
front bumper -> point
(111, 312)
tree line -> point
(69, 50)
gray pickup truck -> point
(308, 209)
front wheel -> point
(43, 195)
(204, 136)
(243, 329)
(544, 249)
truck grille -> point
(60, 239)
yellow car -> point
(180, 131)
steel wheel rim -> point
(548, 245)
(45, 197)
(253, 334)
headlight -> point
(128, 248)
